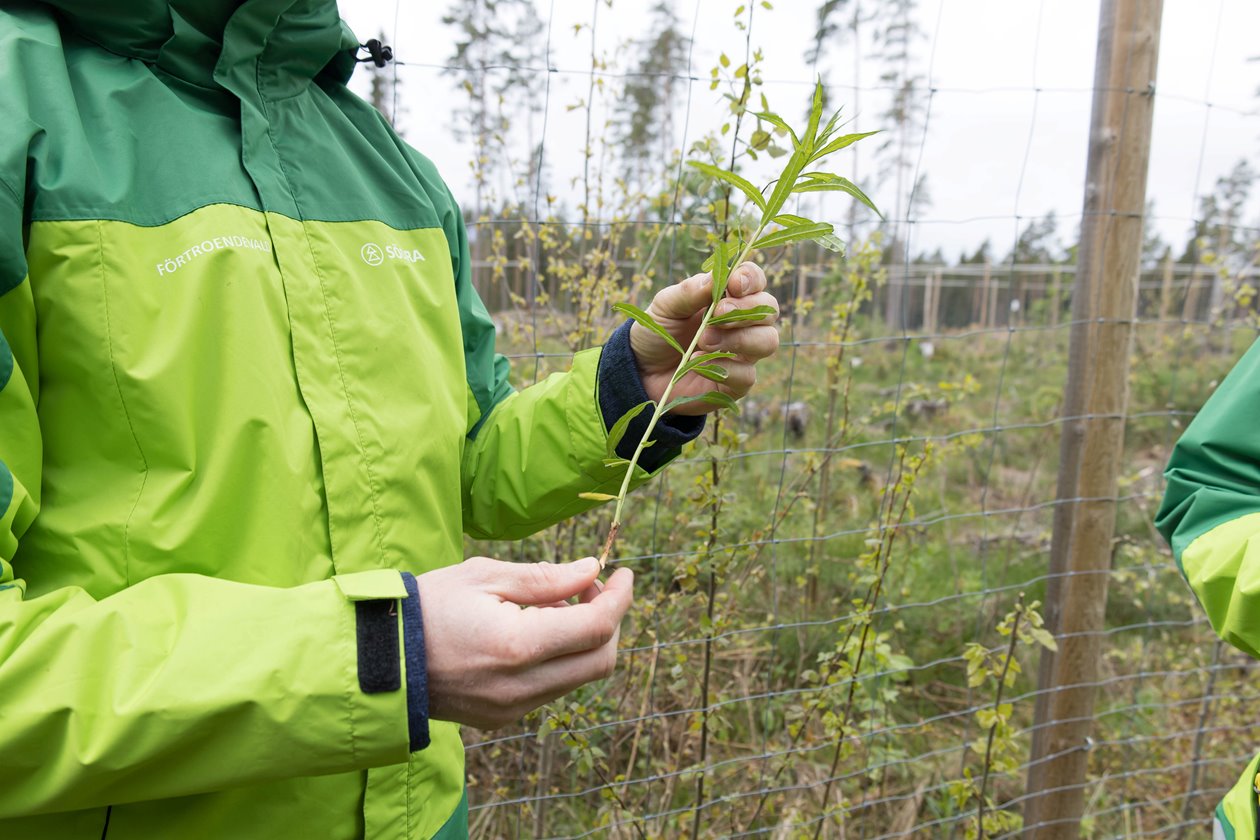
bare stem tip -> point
(608, 544)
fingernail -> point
(711, 338)
(724, 308)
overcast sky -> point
(1006, 136)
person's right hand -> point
(501, 639)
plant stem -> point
(888, 529)
(833, 387)
(710, 598)
(607, 785)
(884, 562)
(659, 408)
(997, 702)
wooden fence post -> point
(931, 300)
(1166, 294)
(990, 296)
(1056, 297)
(1104, 300)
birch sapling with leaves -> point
(727, 304)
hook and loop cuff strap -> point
(376, 632)
(377, 636)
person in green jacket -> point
(1211, 517)
(249, 404)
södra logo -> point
(373, 254)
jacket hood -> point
(268, 44)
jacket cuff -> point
(417, 666)
(621, 389)
(380, 667)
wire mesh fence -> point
(834, 632)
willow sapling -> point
(731, 250)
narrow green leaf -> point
(711, 397)
(598, 497)
(828, 241)
(702, 359)
(778, 122)
(839, 185)
(840, 143)
(742, 184)
(783, 189)
(753, 313)
(613, 463)
(815, 116)
(793, 234)
(713, 373)
(721, 269)
(825, 134)
(788, 220)
(618, 431)
(680, 401)
(648, 321)
(831, 242)
(720, 399)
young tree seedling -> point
(816, 142)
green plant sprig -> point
(1022, 625)
(809, 147)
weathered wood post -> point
(1166, 294)
(1104, 300)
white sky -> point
(1008, 126)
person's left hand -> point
(679, 309)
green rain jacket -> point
(1211, 517)
(245, 382)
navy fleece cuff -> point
(621, 389)
(417, 666)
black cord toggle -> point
(378, 53)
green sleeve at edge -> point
(529, 454)
(1211, 508)
(1223, 569)
(535, 452)
(1214, 472)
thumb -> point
(532, 584)
(685, 298)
